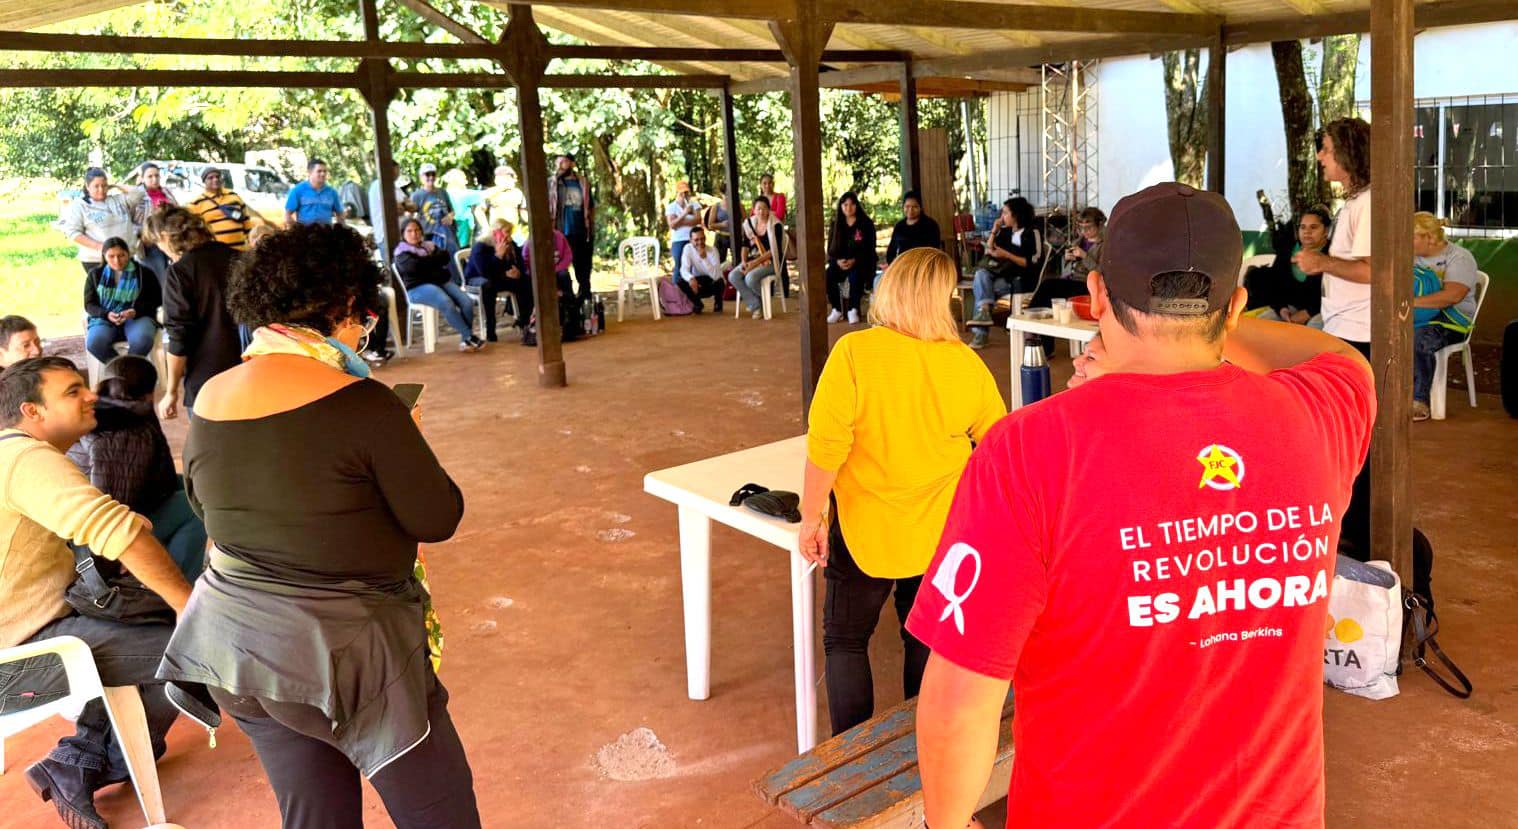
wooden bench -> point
(866, 777)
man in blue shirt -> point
(312, 201)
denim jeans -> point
(988, 287)
(451, 301)
(850, 611)
(677, 250)
(747, 284)
(1427, 341)
(182, 533)
(138, 332)
(124, 655)
(836, 277)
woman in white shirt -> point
(1344, 152)
(98, 215)
(764, 255)
(700, 272)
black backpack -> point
(1420, 625)
(571, 319)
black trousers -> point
(836, 276)
(520, 289)
(584, 249)
(428, 787)
(1355, 528)
(705, 286)
(124, 655)
(850, 611)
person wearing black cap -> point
(1139, 551)
(573, 208)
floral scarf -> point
(308, 342)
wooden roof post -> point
(735, 211)
(1217, 98)
(911, 167)
(378, 94)
(524, 56)
(802, 38)
(1391, 255)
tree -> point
(1335, 99)
(1186, 111)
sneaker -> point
(834, 316)
(982, 318)
(854, 317)
(756, 315)
(980, 339)
(1420, 411)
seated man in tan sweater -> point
(45, 408)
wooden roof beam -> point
(1425, 15)
(574, 26)
(233, 47)
(954, 14)
(432, 15)
(883, 74)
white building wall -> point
(1133, 145)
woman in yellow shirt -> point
(894, 418)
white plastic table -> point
(1077, 331)
(701, 490)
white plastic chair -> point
(767, 294)
(93, 367)
(123, 705)
(402, 335)
(427, 314)
(1441, 358)
(639, 261)
(1259, 260)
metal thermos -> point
(1035, 373)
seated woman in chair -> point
(122, 299)
(851, 257)
(1284, 291)
(763, 255)
(1009, 264)
(1452, 307)
(496, 265)
(424, 269)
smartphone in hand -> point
(409, 393)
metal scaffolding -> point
(1068, 120)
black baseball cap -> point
(1165, 228)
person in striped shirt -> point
(224, 212)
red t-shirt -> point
(777, 205)
(1147, 558)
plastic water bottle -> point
(600, 316)
(588, 315)
(1035, 373)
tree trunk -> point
(1336, 81)
(1302, 185)
(1187, 114)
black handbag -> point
(1421, 625)
(122, 598)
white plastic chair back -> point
(1439, 387)
(638, 258)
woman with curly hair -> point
(202, 339)
(310, 624)
(1344, 153)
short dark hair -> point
(11, 325)
(115, 242)
(146, 166)
(912, 195)
(309, 275)
(22, 383)
(128, 377)
(1321, 212)
(314, 163)
(763, 176)
(1174, 285)
(762, 199)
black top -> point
(126, 456)
(309, 494)
(905, 237)
(856, 241)
(415, 270)
(1023, 277)
(195, 315)
(484, 264)
(149, 294)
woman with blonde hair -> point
(496, 266)
(894, 418)
(1444, 315)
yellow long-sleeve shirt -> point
(44, 499)
(895, 416)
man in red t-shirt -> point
(1147, 556)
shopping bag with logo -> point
(1364, 636)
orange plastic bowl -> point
(1082, 307)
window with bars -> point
(1467, 161)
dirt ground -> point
(561, 600)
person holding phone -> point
(682, 215)
(314, 566)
